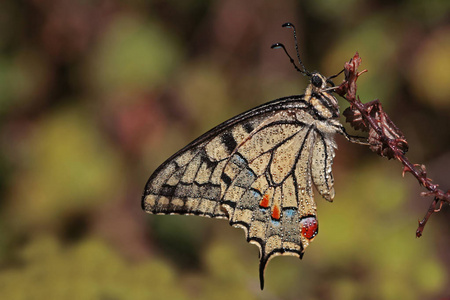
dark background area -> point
(94, 95)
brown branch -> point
(384, 136)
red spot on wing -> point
(276, 212)
(264, 201)
(310, 227)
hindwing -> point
(256, 170)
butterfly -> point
(258, 169)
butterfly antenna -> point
(336, 75)
(333, 76)
(280, 45)
(290, 25)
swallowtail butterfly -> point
(257, 170)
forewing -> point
(192, 181)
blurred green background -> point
(94, 95)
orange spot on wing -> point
(276, 212)
(264, 201)
(310, 227)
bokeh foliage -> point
(94, 95)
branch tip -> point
(385, 138)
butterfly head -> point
(318, 81)
(320, 97)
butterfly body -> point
(258, 170)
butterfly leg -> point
(353, 138)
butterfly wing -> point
(256, 170)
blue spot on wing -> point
(239, 160)
(256, 194)
(290, 212)
(275, 222)
(250, 198)
(245, 178)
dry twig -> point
(384, 137)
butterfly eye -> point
(316, 81)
